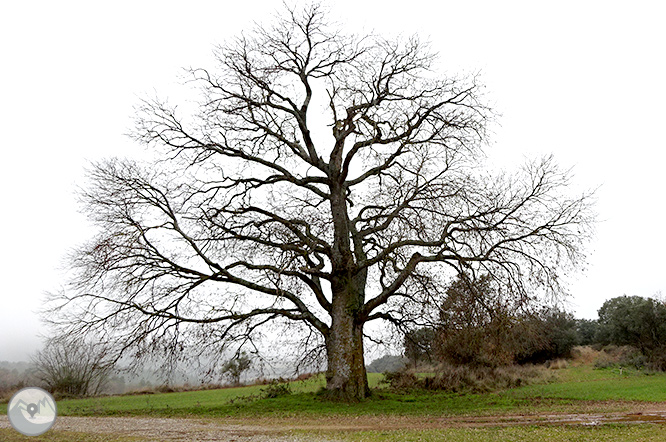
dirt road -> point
(291, 429)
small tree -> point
(73, 368)
(387, 363)
(235, 367)
(483, 325)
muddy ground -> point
(283, 429)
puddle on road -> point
(591, 419)
(585, 419)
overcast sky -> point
(583, 80)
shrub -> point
(401, 380)
(623, 357)
(557, 364)
(480, 326)
(554, 335)
(276, 388)
(585, 355)
(474, 379)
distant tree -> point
(324, 179)
(420, 346)
(387, 363)
(235, 367)
(73, 368)
(554, 335)
(635, 321)
(11, 379)
(587, 331)
(116, 385)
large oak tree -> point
(324, 179)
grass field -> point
(574, 386)
(609, 433)
(584, 383)
(572, 390)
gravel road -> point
(174, 429)
(292, 429)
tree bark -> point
(346, 378)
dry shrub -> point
(557, 364)
(166, 388)
(304, 376)
(623, 356)
(464, 378)
(585, 355)
(401, 380)
(140, 391)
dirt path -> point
(287, 430)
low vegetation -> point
(578, 386)
(609, 433)
(593, 381)
(466, 379)
(9, 435)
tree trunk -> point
(346, 378)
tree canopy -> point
(324, 180)
(635, 321)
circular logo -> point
(32, 411)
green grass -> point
(226, 401)
(9, 435)
(606, 433)
(610, 433)
(576, 386)
(585, 383)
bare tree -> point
(326, 180)
(73, 368)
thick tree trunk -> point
(346, 378)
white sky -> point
(581, 79)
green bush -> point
(637, 322)
(623, 357)
(276, 388)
